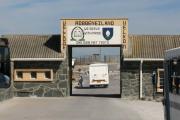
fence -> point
(89, 59)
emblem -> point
(77, 34)
(107, 33)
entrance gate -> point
(92, 33)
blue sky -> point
(43, 16)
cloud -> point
(43, 16)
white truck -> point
(98, 75)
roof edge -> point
(160, 35)
(37, 59)
(143, 59)
(101, 18)
(6, 35)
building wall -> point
(57, 87)
(148, 68)
(5, 93)
(130, 78)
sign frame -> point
(100, 22)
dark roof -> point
(34, 46)
(151, 46)
(48, 46)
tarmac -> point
(79, 108)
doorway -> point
(82, 57)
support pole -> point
(12, 73)
(141, 77)
(12, 78)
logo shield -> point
(107, 33)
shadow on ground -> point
(77, 87)
(98, 95)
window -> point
(19, 75)
(160, 80)
(4, 54)
(48, 74)
(174, 77)
(33, 75)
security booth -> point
(92, 33)
(4, 63)
(5, 75)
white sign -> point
(94, 35)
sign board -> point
(94, 32)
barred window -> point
(33, 75)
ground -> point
(79, 108)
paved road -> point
(79, 108)
(113, 88)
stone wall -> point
(148, 68)
(147, 89)
(5, 93)
(130, 79)
(56, 88)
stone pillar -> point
(130, 79)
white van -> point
(98, 75)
